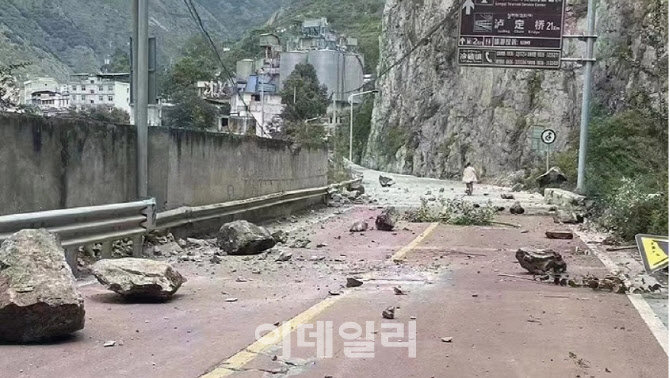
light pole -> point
(351, 121)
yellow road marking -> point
(241, 358)
(400, 255)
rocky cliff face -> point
(433, 116)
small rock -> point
(231, 300)
(321, 245)
(334, 292)
(447, 339)
(109, 344)
(517, 209)
(389, 313)
(280, 236)
(562, 235)
(317, 258)
(506, 196)
(399, 291)
(360, 226)
(215, 259)
(386, 182)
(353, 282)
(386, 221)
(300, 243)
(284, 256)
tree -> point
(303, 96)
(197, 63)
(9, 88)
(102, 113)
(191, 111)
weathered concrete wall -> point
(192, 168)
(50, 164)
(58, 163)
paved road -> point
(501, 326)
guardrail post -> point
(138, 242)
(106, 250)
(71, 259)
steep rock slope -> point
(432, 115)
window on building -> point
(110, 88)
(101, 98)
(92, 102)
(83, 98)
(257, 97)
(92, 91)
(92, 81)
(100, 88)
(74, 88)
(110, 98)
(83, 88)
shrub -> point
(455, 211)
(632, 209)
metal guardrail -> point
(189, 215)
(81, 226)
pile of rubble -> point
(356, 195)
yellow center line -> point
(400, 255)
(243, 357)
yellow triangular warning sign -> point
(654, 251)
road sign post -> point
(548, 138)
(511, 33)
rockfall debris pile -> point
(340, 197)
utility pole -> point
(262, 101)
(141, 90)
(586, 97)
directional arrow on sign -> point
(469, 6)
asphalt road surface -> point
(475, 312)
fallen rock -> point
(353, 282)
(389, 313)
(244, 238)
(447, 339)
(568, 217)
(554, 176)
(215, 259)
(109, 344)
(139, 278)
(517, 188)
(300, 243)
(541, 261)
(280, 236)
(359, 188)
(198, 243)
(360, 226)
(386, 182)
(398, 291)
(284, 256)
(39, 299)
(517, 209)
(334, 292)
(507, 196)
(387, 219)
(563, 235)
(169, 249)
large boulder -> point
(517, 209)
(387, 219)
(139, 278)
(568, 217)
(541, 261)
(39, 299)
(553, 177)
(244, 238)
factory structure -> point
(259, 82)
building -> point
(257, 97)
(50, 102)
(111, 90)
(36, 85)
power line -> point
(196, 17)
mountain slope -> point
(59, 37)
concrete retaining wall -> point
(59, 163)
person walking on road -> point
(469, 178)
